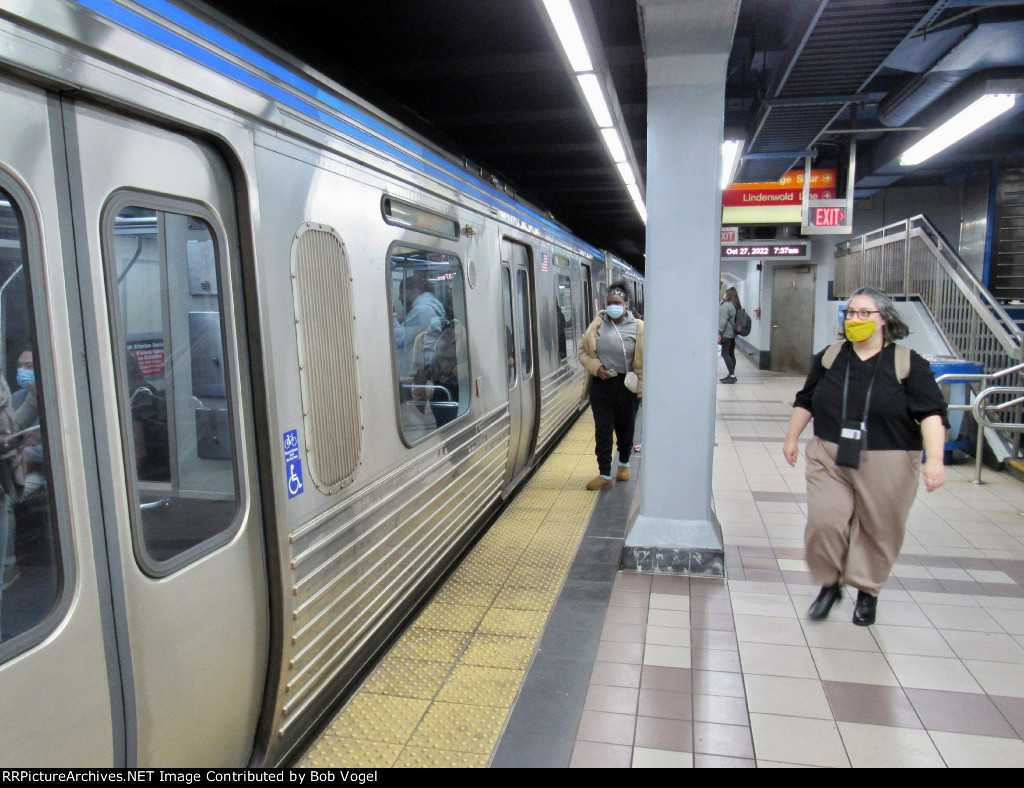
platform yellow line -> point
(442, 695)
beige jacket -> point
(588, 351)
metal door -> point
(58, 665)
(157, 250)
(517, 292)
(792, 339)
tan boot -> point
(623, 474)
(599, 483)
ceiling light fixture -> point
(985, 109)
(570, 35)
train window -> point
(525, 337)
(602, 295)
(403, 214)
(173, 392)
(30, 552)
(322, 287)
(510, 333)
(429, 327)
(588, 300)
(560, 261)
(565, 331)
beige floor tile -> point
(797, 740)
(667, 636)
(668, 618)
(970, 619)
(963, 751)
(933, 673)
(903, 614)
(1010, 619)
(669, 602)
(768, 629)
(753, 604)
(987, 646)
(769, 659)
(882, 747)
(787, 696)
(857, 667)
(925, 642)
(838, 634)
(998, 678)
(667, 656)
(646, 758)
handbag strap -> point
(625, 358)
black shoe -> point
(727, 379)
(823, 604)
(864, 612)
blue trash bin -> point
(957, 393)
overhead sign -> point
(730, 234)
(764, 250)
(777, 202)
(830, 217)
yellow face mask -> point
(858, 332)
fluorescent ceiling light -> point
(569, 35)
(626, 173)
(634, 192)
(985, 109)
(614, 143)
(730, 158)
(595, 99)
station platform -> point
(538, 652)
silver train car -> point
(269, 364)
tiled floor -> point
(730, 674)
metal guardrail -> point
(911, 260)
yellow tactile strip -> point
(441, 696)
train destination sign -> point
(749, 250)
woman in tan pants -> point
(875, 405)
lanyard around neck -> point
(871, 385)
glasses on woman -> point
(863, 314)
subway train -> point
(270, 362)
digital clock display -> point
(796, 250)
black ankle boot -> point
(864, 612)
(823, 604)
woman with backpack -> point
(875, 405)
(727, 332)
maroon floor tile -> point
(664, 734)
(629, 599)
(665, 584)
(760, 563)
(768, 496)
(757, 552)
(606, 727)
(1003, 590)
(626, 615)
(871, 704)
(960, 712)
(702, 620)
(706, 682)
(797, 578)
(708, 587)
(656, 677)
(665, 704)
(764, 575)
(611, 651)
(709, 604)
(1013, 710)
(715, 659)
(919, 584)
(792, 553)
(733, 741)
(617, 674)
(632, 581)
(721, 709)
(976, 563)
(618, 700)
(967, 587)
(592, 755)
(623, 633)
(908, 560)
(703, 761)
(939, 561)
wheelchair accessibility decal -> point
(292, 463)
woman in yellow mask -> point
(875, 405)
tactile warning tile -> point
(408, 678)
(380, 718)
(332, 752)
(446, 687)
(422, 758)
(498, 651)
(460, 727)
(477, 685)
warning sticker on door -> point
(292, 463)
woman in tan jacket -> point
(612, 348)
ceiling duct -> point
(914, 95)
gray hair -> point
(894, 327)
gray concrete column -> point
(687, 49)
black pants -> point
(729, 354)
(614, 407)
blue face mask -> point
(26, 377)
(615, 311)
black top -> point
(896, 409)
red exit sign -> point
(827, 217)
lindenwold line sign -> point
(793, 250)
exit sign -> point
(827, 217)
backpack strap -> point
(902, 359)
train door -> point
(157, 251)
(517, 290)
(588, 296)
(58, 668)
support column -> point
(687, 49)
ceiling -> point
(486, 81)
